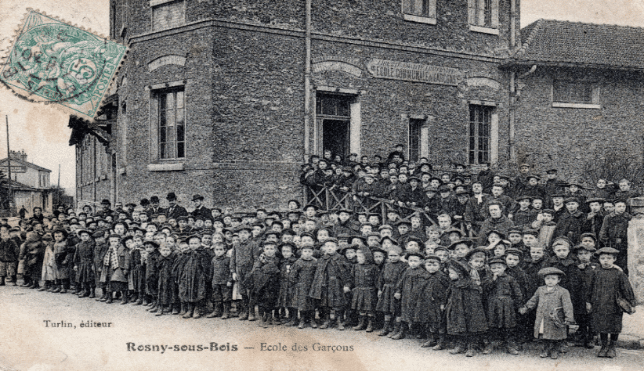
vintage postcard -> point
(321, 185)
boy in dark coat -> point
(387, 304)
(241, 263)
(222, 283)
(364, 276)
(430, 305)
(9, 252)
(408, 289)
(180, 307)
(117, 264)
(100, 249)
(151, 276)
(587, 268)
(84, 263)
(614, 233)
(34, 253)
(571, 223)
(607, 286)
(301, 278)
(285, 298)
(164, 264)
(503, 299)
(193, 278)
(263, 283)
(464, 310)
(330, 283)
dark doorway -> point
(335, 137)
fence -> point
(329, 199)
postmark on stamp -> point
(53, 62)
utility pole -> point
(58, 188)
(10, 195)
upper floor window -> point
(423, 11)
(483, 16)
(575, 94)
(172, 124)
(167, 14)
(480, 133)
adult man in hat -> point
(154, 208)
(105, 211)
(174, 211)
(200, 210)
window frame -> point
(428, 18)
(473, 132)
(160, 95)
(478, 13)
(594, 94)
(157, 3)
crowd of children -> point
(535, 266)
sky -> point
(42, 132)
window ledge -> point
(487, 30)
(159, 2)
(167, 167)
(576, 105)
(419, 19)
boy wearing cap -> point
(386, 285)
(524, 216)
(584, 254)
(301, 279)
(554, 312)
(609, 295)
(595, 217)
(9, 251)
(83, 263)
(430, 305)
(614, 233)
(572, 222)
(474, 213)
(407, 290)
(241, 263)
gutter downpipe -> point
(307, 83)
(513, 99)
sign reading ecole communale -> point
(415, 72)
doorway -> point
(335, 137)
(333, 116)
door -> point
(335, 137)
(333, 116)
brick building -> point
(29, 182)
(228, 98)
(578, 94)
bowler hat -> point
(171, 196)
(197, 197)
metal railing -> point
(329, 199)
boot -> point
(92, 293)
(262, 323)
(386, 328)
(103, 296)
(243, 311)
(139, 301)
(251, 313)
(431, 341)
(145, 301)
(273, 321)
(458, 349)
(34, 285)
(226, 313)
(360, 325)
(441, 343)
(133, 298)
(57, 288)
(216, 311)
(152, 306)
(554, 351)
(302, 324)
(160, 312)
(14, 280)
(313, 322)
(124, 299)
(611, 353)
(402, 333)
(44, 287)
(154, 309)
(84, 294)
(604, 349)
(198, 312)
(184, 309)
(190, 311)
(545, 352)
(470, 349)
(395, 331)
(340, 324)
(512, 348)
(108, 299)
(327, 322)
(63, 290)
(175, 309)
(369, 325)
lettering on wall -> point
(165, 60)
(415, 72)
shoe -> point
(401, 334)
(56, 289)
(340, 325)
(441, 343)
(386, 328)
(196, 314)
(395, 331)
(109, 299)
(563, 348)
(139, 301)
(190, 311)
(369, 325)
(588, 344)
(63, 290)
(184, 309)
(226, 313)
(44, 288)
(251, 315)
(313, 323)
(612, 352)
(302, 324)
(458, 349)
(430, 343)
(546, 351)
(489, 348)
(603, 351)
(325, 325)
(263, 322)
(243, 313)
(512, 348)
(175, 309)
(124, 300)
(470, 350)
(92, 293)
(160, 312)
(554, 354)
(85, 294)
(361, 325)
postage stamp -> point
(54, 62)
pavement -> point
(132, 339)
(632, 336)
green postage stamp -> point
(54, 62)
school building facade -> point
(228, 99)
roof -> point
(574, 44)
(23, 187)
(24, 163)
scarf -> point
(112, 258)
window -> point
(480, 123)
(333, 117)
(415, 139)
(419, 11)
(167, 14)
(575, 94)
(483, 16)
(172, 124)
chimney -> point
(23, 155)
